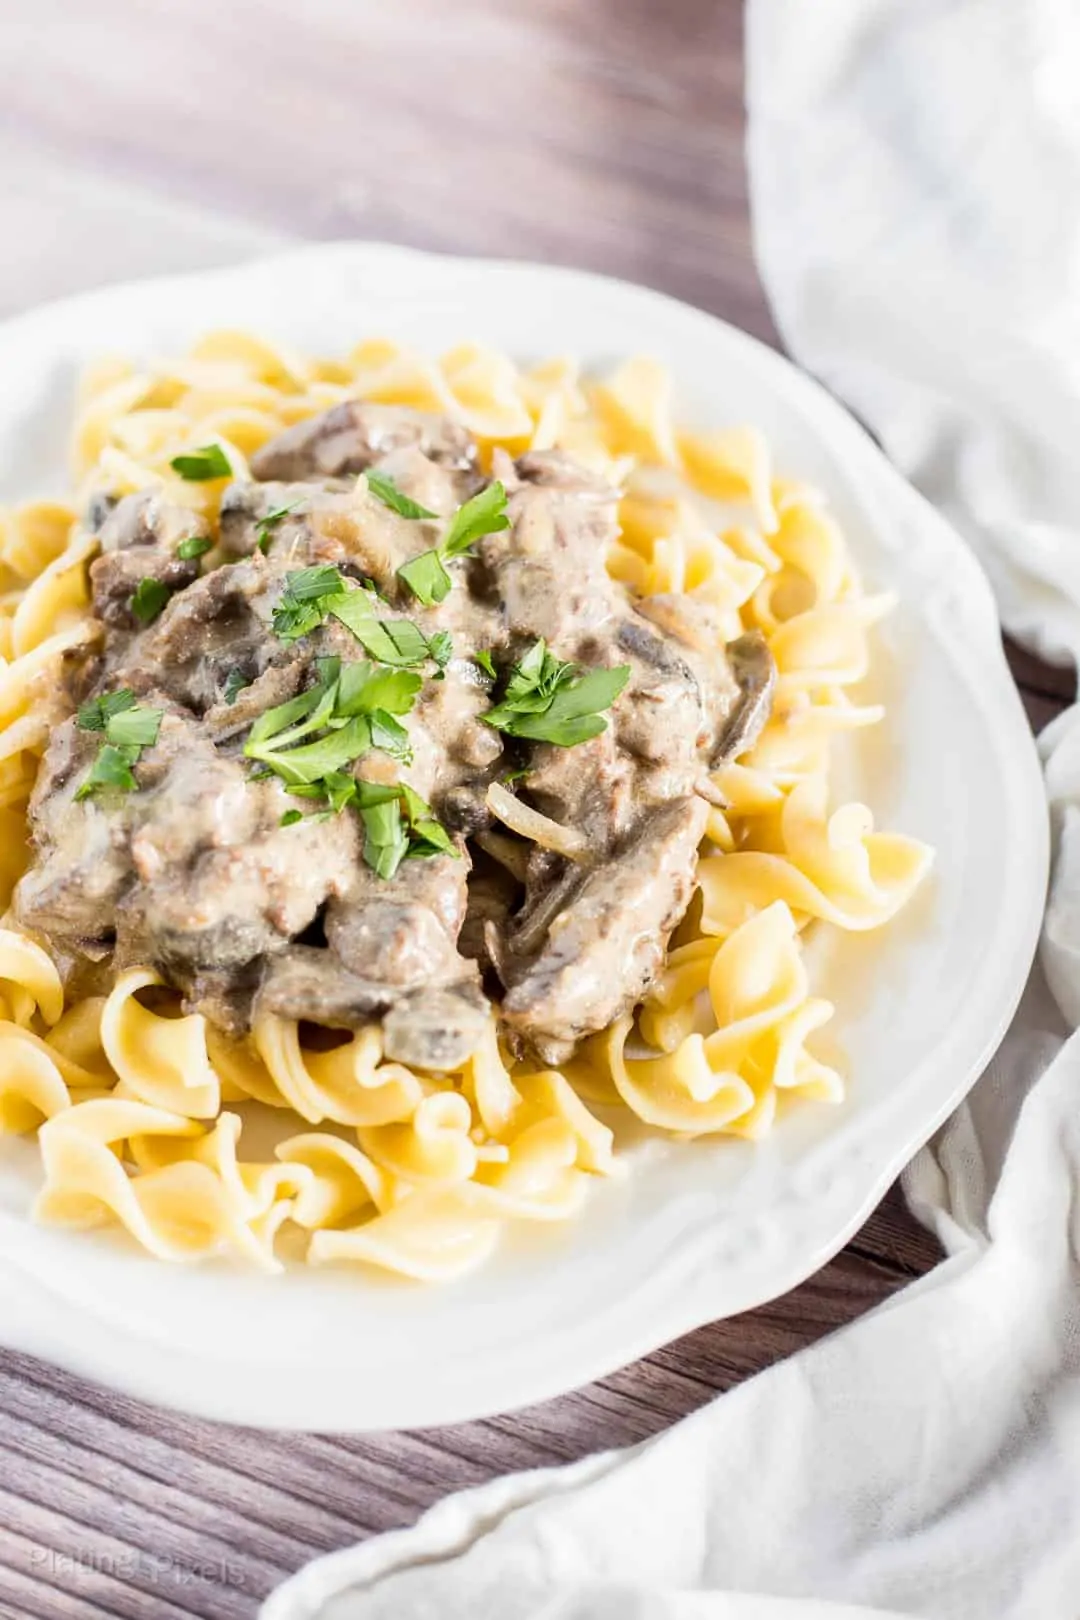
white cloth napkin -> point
(924, 1461)
(915, 168)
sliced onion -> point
(529, 823)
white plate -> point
(697, 1231)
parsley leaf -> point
(312, 761)
(427, 836)
(311, 584)
(235, 682)
(399, 825)
(196, 545)
(355, 706)
(532, 684)
(535, 680)
(135, 727)
(392, 641)
(305, 601)
(441, 649)
(484, 514)
(270, 521)
(549, 701)
(389, 736)
(311, 594)
(288, 722)
(427, 578)
(484, 659)
(384, 489)
(370, 793)
(129, 727)
(426, 575)
(386, 843)
(364, 687)
(111, 768)
(148, 599)
(340, 790)
(199, 466)
(96, 714)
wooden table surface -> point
(607, 135)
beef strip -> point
(221, 881)
(549, 578)
(392, 954)
(435, 1029)
(403, 933)
(193, 873)
(219, 624)
(81, 866)
(139, 538)
(604, 949)
(308, 982)
(356, 434)
(592, 786)
(400, 938)
(685, 705)
(547, 573)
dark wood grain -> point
(607, 135)
(128, 1510)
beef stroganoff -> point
(430, 755)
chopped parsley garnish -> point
(484, 514)
(427, 578)
(311, 595)
(392, 641)
(386, 842)
(441, 649)
(196, 545)
(148, 599)
(111, 769)
(389, 736)
(96, 714)
(364, 688)
(399, 825)
(235, 682)
(304, 602)
(199, 466)
(426, 575)
(302, 766)
(549, 701)
(353, 708)
(137, 727)
(129, 727)
(339, 790)
(384, 489)
(263, 535)
(427, 835)
(484, 659)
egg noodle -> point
(133, 1103)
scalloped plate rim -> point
(38, 1318)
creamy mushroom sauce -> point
(246, 897)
